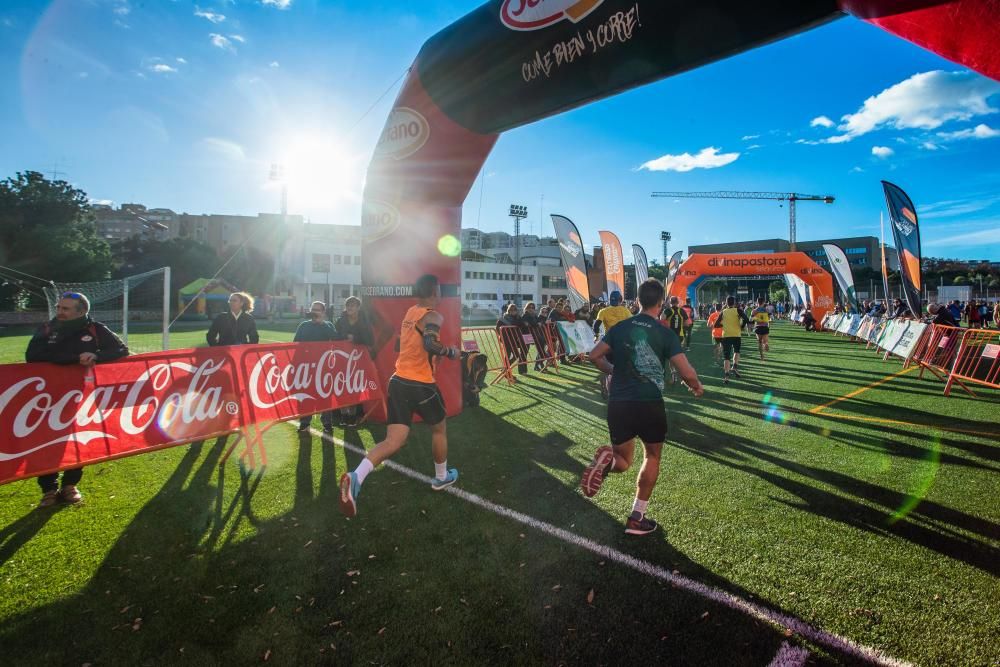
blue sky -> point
(186, 105)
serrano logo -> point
(538, 14)
(405, 133)
(378, 220)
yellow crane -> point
(790, 197)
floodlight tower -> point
(665, 237)
(519, 213)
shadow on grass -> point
(416, 577)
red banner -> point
(55, 417)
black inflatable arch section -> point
(511, 62)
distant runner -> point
(731, 321)
(716, 333)
(762, 326)
(641, 348)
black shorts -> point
(407, 397)
(762, 330)
(643, 419)
(731, 345)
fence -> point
(977, 361)
(509, 349)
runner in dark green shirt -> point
(641, 347)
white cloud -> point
(274, 64)
(856, 170)
(280, 4)
(959, 207)
(221, 41)
(925, 101)
(182, 61)
(224, 147)
(821, 121)
(707, 158)
(753, 146)
(750, 137)
(238, 38)
(104, 202)
(162, 68)
(929, 146)
(122, 9)
(985, 237)
(882, 152)
(980, 131)
(214, 17)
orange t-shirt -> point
(414, 362)
(712, 319)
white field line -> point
(789, 656)
(752, 609)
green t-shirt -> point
(640, 347)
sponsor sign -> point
(901, 337)
(741, 262)
(57, 418)
(470, 346)
(577, 337)
(378, 220)
(524, 15)
(406, 131)
(991, 351)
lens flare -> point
(449, 246)
(927, 474)
(772, 411)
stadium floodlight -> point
(519, 213)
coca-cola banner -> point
(55, 417)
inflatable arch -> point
(697, 266)
(511, 62)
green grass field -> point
(876, 518)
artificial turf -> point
(886, 532)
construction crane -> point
(790, 197)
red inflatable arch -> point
(511, 62)
(819, 280)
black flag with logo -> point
(905, 233)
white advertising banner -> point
(901, 337)
(577, 337)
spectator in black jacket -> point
(71, 338)
(532, 324)
(354, 326)
(316, 329)
(510, 330)
(941, 315)
(236, 326)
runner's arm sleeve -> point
(432, 342)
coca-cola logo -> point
(378, 220)
(404, 134)
(537, 14)
(136, 406)
(336, 373)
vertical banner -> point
(841, 270)
(903, 216)
(574, 261)
(672, 266)
(641, 265)
(614, 269)
(793, 290)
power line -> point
(41, 280)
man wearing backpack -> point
(71, 338)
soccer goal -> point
(137, 308)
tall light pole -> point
(519, 213)
(665, 237)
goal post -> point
(136, 307)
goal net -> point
(137, 308)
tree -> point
(47, 229)
(657, 270)
(188, 260)
(960, 280)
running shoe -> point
(349, 490)
(449, 479)
(49, 498)
(593, 475)
(736, 372)
(70, 494)
(637, 524)
(725, 378)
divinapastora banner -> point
(56, 417)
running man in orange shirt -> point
(412, 389)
